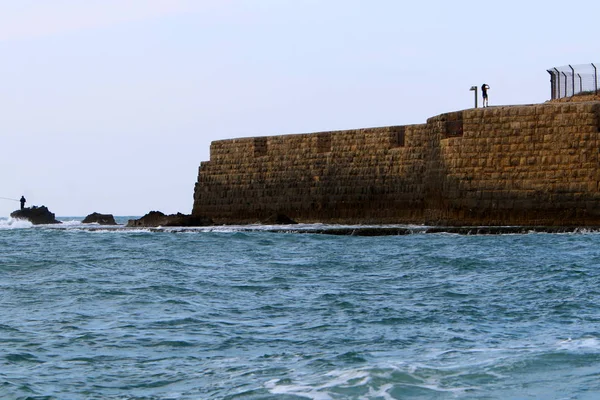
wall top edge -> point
(482, 111)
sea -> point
(105, 312)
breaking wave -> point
(14, 223)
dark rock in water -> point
(36, 215)
(153, 218)
(279, 219)
(156, 218)
(102, 219)
(189, 220)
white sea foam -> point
(14, 223)
(581, 344)
(364, 378)
(319, 391)
(381, 393)
(72, 223)
(109, 229)
(299, 390)
(137, 230)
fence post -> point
(566, 89)
(580, 83)
(552, 94)
(558, 83)
(595, 78)
(572, 79)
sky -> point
(110, 105)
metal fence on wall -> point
(571, 80)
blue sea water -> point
(222, 313)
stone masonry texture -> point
(509, 165)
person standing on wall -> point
(484, 89)
(22, 202)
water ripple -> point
(249, 315)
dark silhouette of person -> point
(484, 89)
(22, 202)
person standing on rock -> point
(484, 89)
(22, 202)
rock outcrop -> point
(279, 219)
(102, 219)
(36, 215)
(157, 218)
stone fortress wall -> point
(509, 165)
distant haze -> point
(110, 105)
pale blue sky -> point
(110, 105)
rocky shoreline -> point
(159, 222)
(157, 218)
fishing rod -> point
(6, 198)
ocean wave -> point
(73, 222)
(14, 223)
(387, 382)
(585, 344)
